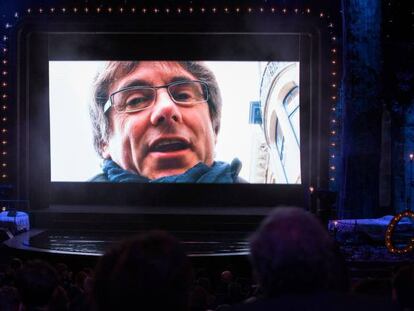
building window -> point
(291, 105)
(280, 141)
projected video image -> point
(174, 122)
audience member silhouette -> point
(201, 297)
(149, 272)
(9, 299)
(76, 293)
(37, 283)
(12, 268)
(222, 290)
(299, 267)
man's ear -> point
(105, 151)
(215, 129)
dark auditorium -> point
(129, 182)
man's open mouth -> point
(169, 145)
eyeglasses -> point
(137, 98)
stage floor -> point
(95, 243)
(358, 247)
(360, 240)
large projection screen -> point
(269, 75)
(254, 104)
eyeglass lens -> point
(184, 93)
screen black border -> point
(35, 38)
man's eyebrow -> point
(133, 83)
(180, 78)
(140, 82)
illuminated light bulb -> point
(284, 10)
(332, 156)
(321, 14)
(98, 10)
(214, 10)
(334, 73)
(110, 10)
(333, 132)
(5, 38)
(332, 179)
(52, 10)
(333, 97)
(308, 10)
(75, 10)
(203, 10)
(7, 26)
(311, 189)
(333, 38)
(4, 164)
(296, 10)
(333, 85)
(4, 84)
(155, 10)
(4, 73)
(411, 156)
(261, 10)
(333, 121)
(63, 10)
(4, 61)
(4, 119)
(273, 10)
(249, 10)
(29, 10)
(333, 109)
(4, 176)
(133, 10)
(4, 130)
(179, 10)
(4, 153)
(333, 144)
(237, 10)
(40, 10)
(16, 14)
(335, 223)
(121, 10)
(191, 10)
(4, 50)
(334, 62)
(333, 50)
(3, 208)
(4, 142)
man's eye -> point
(137, 102)
(183, 96)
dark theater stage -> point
(68, 230)
(244, 108)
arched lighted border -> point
(184, 10)
(390, 231)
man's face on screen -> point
(166, 138)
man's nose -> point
(165, 111)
